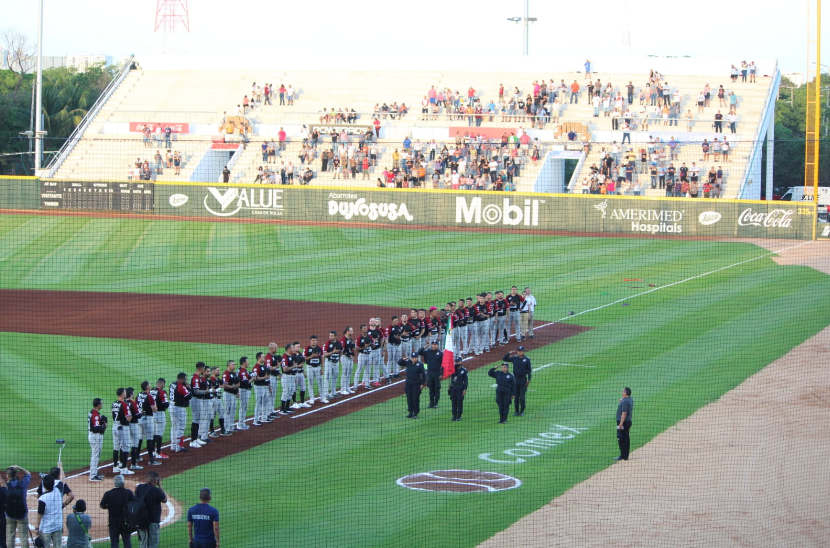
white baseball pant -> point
(96, 442)
(330, 373)
(314, 375)
(346, 366)
(244, 398)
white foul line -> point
(669, 285)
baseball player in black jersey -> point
(470, 334)
(244, 393)
(393, 347)
(491, 321)
(458, 389)
(313, 355)
(262, 387)
(147, 406)
(347, 361)
(180, 397)
(199, 408)
(272, 366)
(230, 396)
(415, 326)
(480, 318)
(406, 336)
(97, 425)
(514, 301)
(332, 350)
(523, 372)
(501, 318)
(376, 355)
(363, 346)
(135, 429)
(121, 416)
(160, 416)
(416, 380)
(300, 375)
(461, 315)
(214, 382)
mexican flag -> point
(448, 362)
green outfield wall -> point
(19, 193)
(581, 213)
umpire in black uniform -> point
(505, 390)
(416, 379)
(523, 372)
(433, 358)
(458, 389)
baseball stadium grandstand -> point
(199, 103)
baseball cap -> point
(459, 359)
(521, 348)
(434, 342)
(413, 355)
(431, 308)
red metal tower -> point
(171, 16)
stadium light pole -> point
(39, 86)
(525, 31)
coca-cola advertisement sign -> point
(774, 218)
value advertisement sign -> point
(582, 213)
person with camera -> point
(50, 514)
(56, 472)
(78, 525)
(17, 513)
(203, 523)
(115, 503)
(97, 426)
(153, 496)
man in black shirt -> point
(433, 358)
(115, 503)
(625, 410)
(522, 371)
(505, 390)
(458, 389)
(415, 383)
(393, 346)
(154, 497)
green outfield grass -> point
(679, 348)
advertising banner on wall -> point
(534, 212)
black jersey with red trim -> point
(197, 383)
(501, 307)
(160, 396)
(514, 301)
(244, 379)
(364, 344)
(393, 334)
(348, 347)
(95, 422)
(377, 338)
(146, 403)
(121, 413)
(180, 394)
(135, 411)
(480, 312)
(336, 349)
(313, 355)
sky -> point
(326, 32)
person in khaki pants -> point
(526, 310)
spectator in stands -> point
(281, 136)
(718, 124)
(146, 132)
(732, 118)
(226, 175)
(725, 150)
(752, 70)
(721, 96)
(168, 131)
(733, 103)
(571, 135)
(169, 157)
(587, 69)
(308, 175)
(177, 163)
(689, 120)
(159, 162)
(281, 91)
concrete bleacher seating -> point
(199, 97)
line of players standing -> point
(377, 354)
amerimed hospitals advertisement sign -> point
(549, 212)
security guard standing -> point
(416, 380)
(458, 389)
(433, 358)
(523, 372)
(505, 390)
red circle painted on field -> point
(459, 481)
